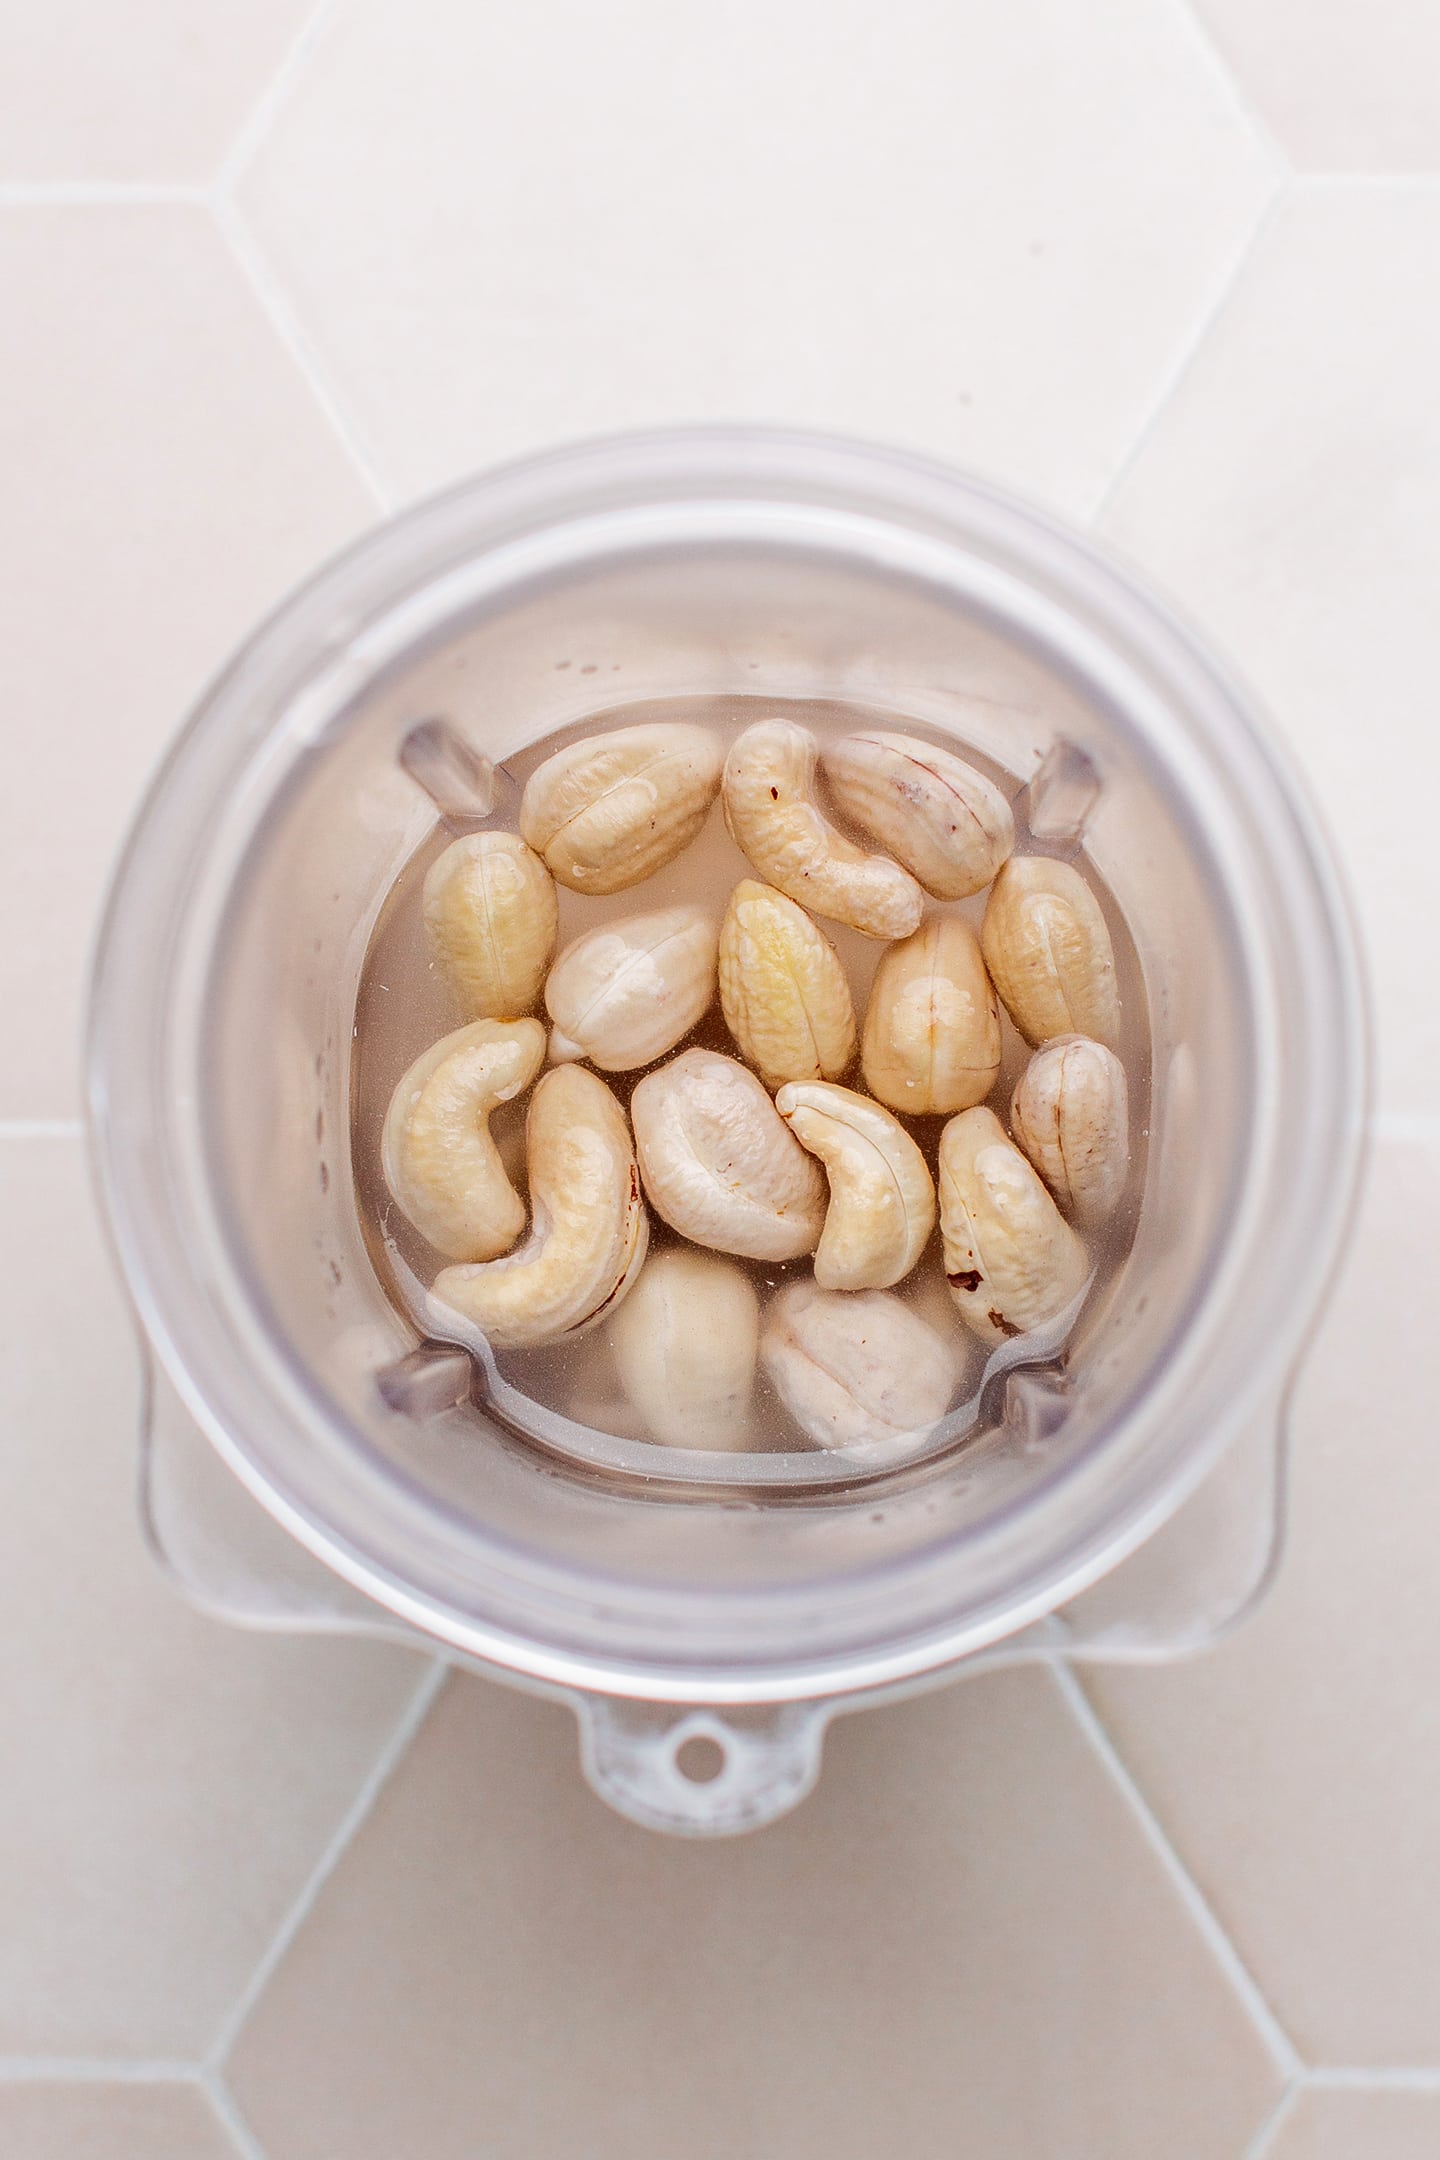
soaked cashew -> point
(719, 1163)
(882, 1198)
(1048, 950)
(490, 913)
(625, 992)
(588, 1231)
(1011, 1259)
(932, 1027)
(769, 804)
(685, 1342)
(1070, 1115)
(782, 989)
(857, 1368)
(608, 811)
(440, 1163)
(948, 824)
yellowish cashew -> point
(589, 1229)
(1011, 1259)
(769, 801)
(782, 989)
(932, 1027)
(490, 914)
(611, 809)
(441, 1165)
(948, 824)
(882, 1197)
(685, 1342)
(1048, 949)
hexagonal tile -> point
(56, 2121)
(1342, 89)
(1287, 497)
(1359, 2126)
(1297, 1766)
(960, 1943)
(152, 91)
(985, 231)
(167, 475)
(169, 1783)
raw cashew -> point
(770, 809)
(932, 1027)
(625, 992)
(685, 1342)
(608, 810)
(948, 824)
(719, 1163)
(1069, 1113)
(782, 989)
(1049, 954)
(440, 1162)
(1011, 1259)
(588, 1229)
(856, 1368)
(490, 912)
(882, 1198)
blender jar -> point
(1128, 1508)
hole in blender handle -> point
(700, 1759)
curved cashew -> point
(1011, 1259)
(768, 796)
(948, 824)
(490, 912)
(440, 1163)
(685, 1342)
(853, 1368)
(782, 988)
(719, 1164)
(625, 992)
(932, 1027)
(1049, 954)
(607, 811)
(589, 1229)
(1070, 1115)
(882, 1197)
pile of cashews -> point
(768, 1155)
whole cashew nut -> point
(440, 1163)
(490, 914)
(768, 796)
(609, 810)
(1048, 949)
(685, 1342)
(625, 992)
(1011, 1259)
(589, 1229)
(856, 1368)
(950, 826)
(1070, 1115)
(882, 1197)
(720, 1165)
(932, 1027)
(782, 988)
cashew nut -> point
(932, 1027)
(882, 1197)
(1048, 950)
(440, 1163)
(719, 1163)
(625, 992)
(685, 1342)
(588, 1229)
(768, 798)
(853, 1368)
(782, 989)
(490, 913)
(1011, 1259)
(1069, 1113)
(948, 824)
(607, 811)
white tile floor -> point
(269, 270)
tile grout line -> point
(94, 2070)
(1262, 2143)
(232, 2122)
(1354, 2078)
(1216, 59)
(1282, 2049)
(273, 99)
(275, 305)
(1187, 358)
(386, 1763)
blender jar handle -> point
(700, 1772)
